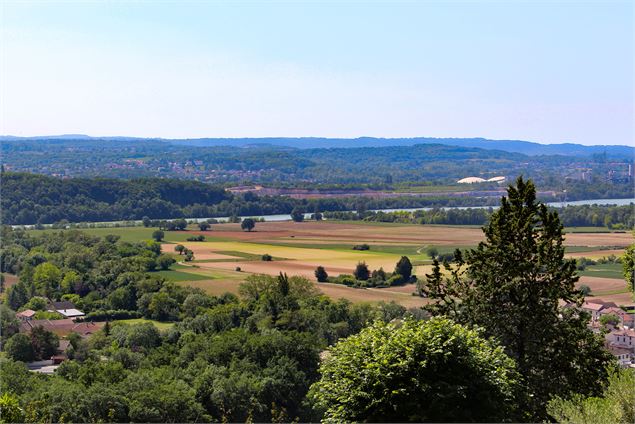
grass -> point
(604, 270)
(219, 281)
(240, 257)
(158, 324)
(135, 234)
(587, 230)
(578, 249)
(130, 234)
(178, 276)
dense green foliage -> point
(29, 199)
(612, 217)
(37, 199)
(436, 371)
(628, 265)
(615, 406)
(511, 285)
(98, 274)
(227, 360)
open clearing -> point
(298, 248)
(159, 325)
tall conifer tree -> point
(513, 285)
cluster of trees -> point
(39, 344)
(97, 274)
(228, 360)
(32, 199)
(362, 276)
(611, 217)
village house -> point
(62, 327)
(65, 308)
(595, 308)
(622, 344)
(626, 319)
(25, 315)
(624, 356)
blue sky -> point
(543, 71)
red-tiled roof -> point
(62, 327)
(601, 302)
(628, 332)
(593, 306)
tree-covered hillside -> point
(284, 165)
(29, 198)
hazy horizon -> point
(80, 136)
(538, 72)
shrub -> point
(345, 279)
(110, 315)
(196, 238)
(363, 246)
(267, 257)
(432, 252)
(395, 280)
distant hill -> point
(513, 146)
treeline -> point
(611, 217)
(29, 199)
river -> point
(286, 217)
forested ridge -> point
(29, 199)
(288, 166)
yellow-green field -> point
(229, 255)
(158, 324)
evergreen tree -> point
(321, 274)
(511, 286)
(361, 271)
(404, 268)
(248, 224)
(628, 264)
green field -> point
(134, 234)
(160, 325)
(180, 276)
(603, 270)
